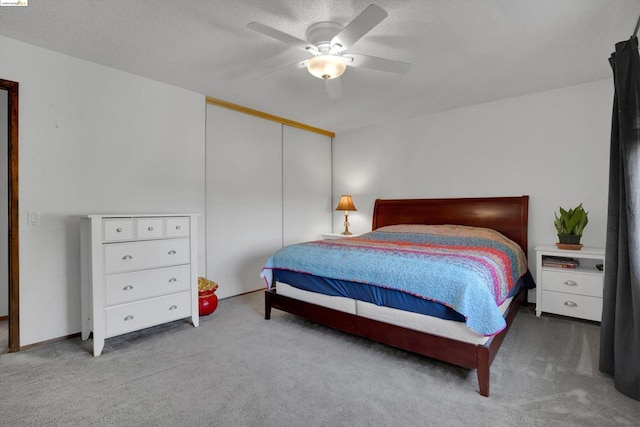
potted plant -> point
(570, 225)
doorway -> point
(9, 156)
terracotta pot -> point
(207, 302)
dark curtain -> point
(620, 329)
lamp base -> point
(346, 231)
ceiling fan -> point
(328, 43)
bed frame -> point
(508, 215)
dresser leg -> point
(98, 345)
(195, 319)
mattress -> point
(419, 322)
(447, 271)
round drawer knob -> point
(150, 228)
(177, 227)
(119, 230)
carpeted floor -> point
(238, 369)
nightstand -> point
(575, 292)
(337, 236)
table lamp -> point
(346, 204)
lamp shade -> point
(326, 66)
(345, 204)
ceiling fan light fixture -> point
(326, 66)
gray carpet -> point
(238, 369)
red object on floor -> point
(207, 302)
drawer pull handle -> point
(126, 257)
(571, 283)
(129, 317)
(570, 304)
(150, 228)
(173, 307)
(119, 230)
(172, 252)
(127, 288)
(177, 227)
(173, 280)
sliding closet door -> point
(243, 198)
(306, 185)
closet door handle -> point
(127, 257)
(570, 304)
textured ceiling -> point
(463, 52)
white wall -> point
(4, 203)
(92, 140)
(553, 146)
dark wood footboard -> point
(466, 355)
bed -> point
(439, 338)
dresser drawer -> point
(177, 227)
(143, 314)
(584, 307)
(149, 228)
(117, 230)
(128, 287)
(572, 282)
(131, 256)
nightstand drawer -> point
(584, 307)
(572, 282)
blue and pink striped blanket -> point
(472, 270)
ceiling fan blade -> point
(361, 25)
(283, 37)
(334, 87)
(376, 63)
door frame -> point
(13, 261)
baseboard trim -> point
(41, 343)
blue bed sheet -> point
(378, 295)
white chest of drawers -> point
(138, 271)
(567, 291)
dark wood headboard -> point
(508, 215)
